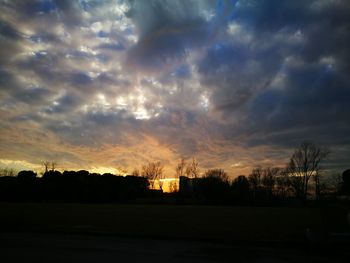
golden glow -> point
(168, 184)
(102, 170)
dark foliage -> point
(215, 188)
(264, 186)
(240, 189)
(26, 175)
(72, 186)
(345, 187)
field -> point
(161, 221)
(158, 233)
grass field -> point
(196, 222)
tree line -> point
(72, 186)
(297, 181)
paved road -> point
(29, 247)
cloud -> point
(119, 83)
(167, 30)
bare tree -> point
(192, 169)
(327, 185)
(11, 172)
(283, 184)
(318, 186)
(173, 186)
(160, 181)
(255, 180)
(7, 172)
(180, 168)
(122, 170)
(296, 185)
(49, 166)
(136, 172)
(263, 179)
(335, 182)
(217, 173)
(53, 166)
(269, 179)
(305, 163)
(46, 165)
(152, 171)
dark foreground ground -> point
(30, 247)
(151, 233)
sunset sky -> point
(107, 85)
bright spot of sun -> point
(204, 101)
(168, 184)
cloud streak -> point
(118, 83)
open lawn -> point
(185, 222)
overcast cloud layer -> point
(108, 84)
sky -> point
(111, 85)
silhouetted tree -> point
(160, 181)
(72, 186)
(263, 182)
(52, 174)
(180, 168)
(255, 181)
(122, 170)
(214, 186)
(283, 184)
(269, 179)
(185, 186)
(173, 186)
(335, 183)
(26, 175)
(240, 187)
(152, 171)
(304, 164)
(53, 166)
(192, 170)
(46, 165)
(49, 166)
(27, 186)
(217, 173)
(7, 172)
(345, 187)
(136, 172)
(84, 173)
(297, 186)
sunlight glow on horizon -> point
(109, 86)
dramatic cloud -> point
(113, 84)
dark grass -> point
(164, 221)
